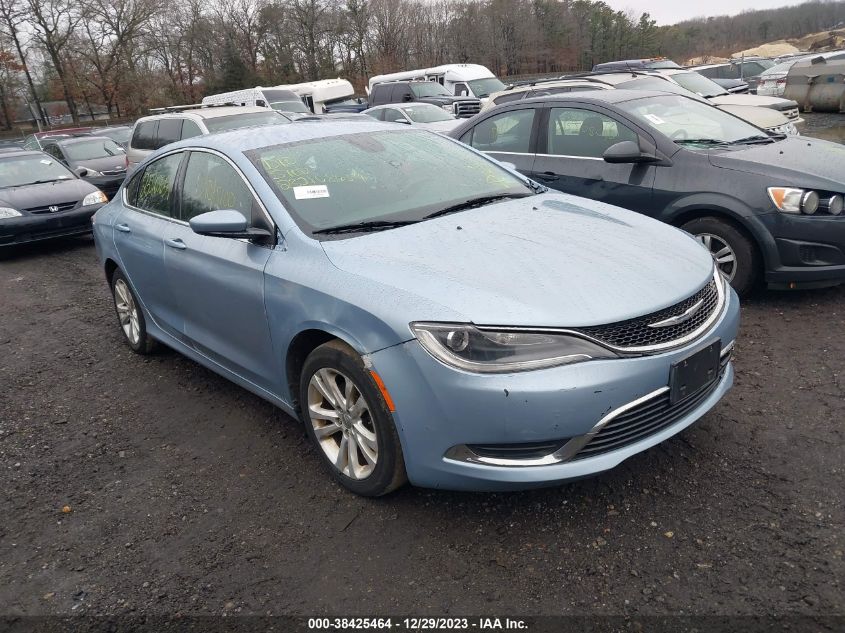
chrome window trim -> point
(570, 156)
(206, 150)
(645, 349)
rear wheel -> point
(734, 254)
(349, 421)
(130, 316)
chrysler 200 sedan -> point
(428, 313)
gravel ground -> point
(152, 486)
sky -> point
(671, 11)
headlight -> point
(92, 172)
(792, 200)
(834, 204)
(94, 198)
(7, 212)
(448, 107)
(466, 347)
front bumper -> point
(439, 410)
(805, 251)
(45, 226)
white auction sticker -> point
(311, 191)
(654, 119)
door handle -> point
(176, 243)
(123, 228)
(548, 176)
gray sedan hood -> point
(551, 260)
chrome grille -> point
(636, 333)
(650, 417)
(52, 208)
(790, 114)
(466, 109)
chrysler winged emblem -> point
(679, 318)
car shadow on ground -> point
(57, 246)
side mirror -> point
(407, 97)
(627, 152)
(225, 223)
(80, 171)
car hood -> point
(548, 261)
(796, 160)
(107, 163)
(41, 195)
(761, 117)
(754, 100)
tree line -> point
(130, 55)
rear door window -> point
(155, 189)
(169, 131)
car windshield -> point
(290, 106)
(482, 88)
(691, 123)
(247, 119)
(699, 84)
(663, 63)
(91, 149)
(381, 176)
(28, 170)
(429, 89)
(654, 83)
(780, 69)
(426, 113)
(118, 135)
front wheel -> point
(349, 421)
(734, 254)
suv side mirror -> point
(226, 223)
(407, 97)
(80, 171)
(627, 152)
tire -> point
(744, 270)
(130, 316)
(357, 441)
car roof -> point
(599, 96)
(249, 138)
(74, 140)
(211, 112)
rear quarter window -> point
(144, 136)
(169, 131)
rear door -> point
(570, 147)
(508, 136)
(219, 281)
(138, 237)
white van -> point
(276, 98)
(461, 80)
(318, 94)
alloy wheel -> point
(127, 311)
(342, 423)
(722, 253)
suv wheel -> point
(735, 255)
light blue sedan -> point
(428, 313)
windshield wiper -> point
(473, 203)
(699, 141)
(43, 181)
(752, 140)
(364, 227)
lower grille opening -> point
(530, 450)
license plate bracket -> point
(693, 373)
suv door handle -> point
(176, 243)
(548, 176)
(123, 228)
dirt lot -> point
(186, 494)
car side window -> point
(584, 133)
(190, 129)
(156, 185)
(212, 184)
(392, 115)
(506, 132)
(144, 136)
(169, 131)
(31, 143)
(53, 150)
(401, 93)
